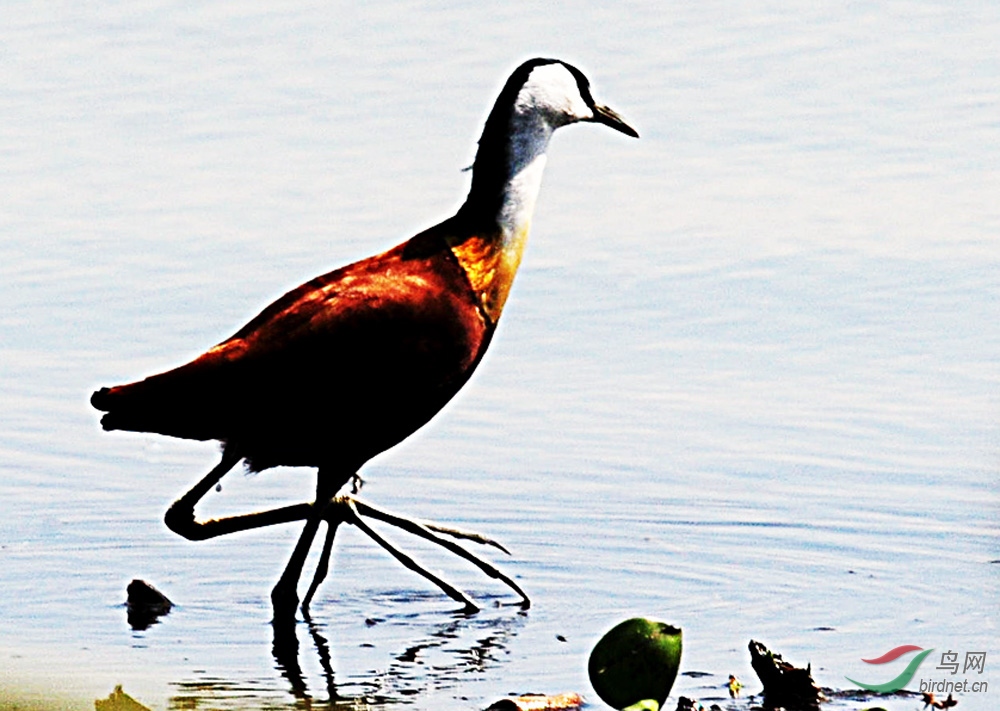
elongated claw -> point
(350, 509)
(446, 587)
(367, 509)
(426, 532)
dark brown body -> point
(332, 373)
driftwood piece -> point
(538, 702)
(118, 700)
(785, 686)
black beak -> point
(602, 114)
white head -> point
(559, 94)
(540, 96)
(549, 94)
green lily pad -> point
(636, 661)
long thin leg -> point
(334, 518)
(180, 516)
(203, 530)
(323, 568)
(284, 596)
(324, 561)
(349, 509)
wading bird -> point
(353, 362)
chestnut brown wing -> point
(341, 368)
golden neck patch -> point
(491, 262)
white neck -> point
(491, 259)
(507, 176)
(529, 139)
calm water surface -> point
(747, 381)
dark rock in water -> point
(142, 594)
(145, 604)
(785, 686)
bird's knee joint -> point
(180, 520)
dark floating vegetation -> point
(785, 685)
(635, 664)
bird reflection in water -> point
(408, 674)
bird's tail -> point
(151, 405)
